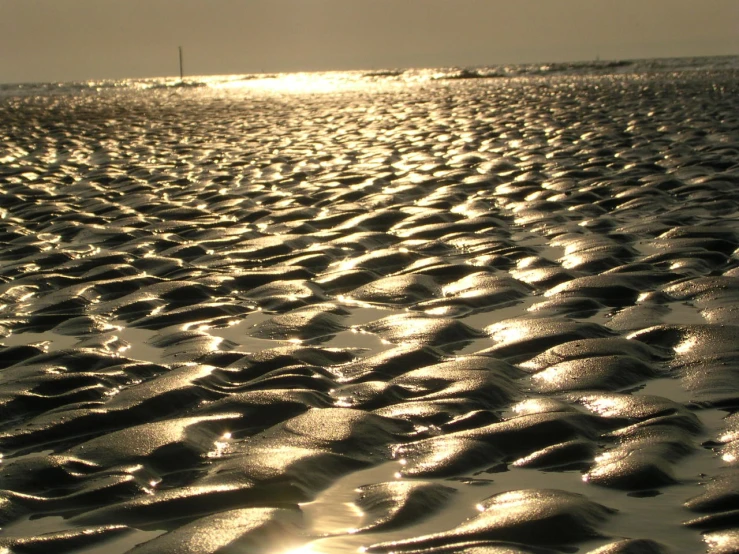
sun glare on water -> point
(291, 83)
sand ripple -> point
(471, 316)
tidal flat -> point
(396, 314)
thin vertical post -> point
(181, 72)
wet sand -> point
(471, 316)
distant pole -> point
(181, 73)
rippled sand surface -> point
(464, 316)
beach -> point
(442, 311)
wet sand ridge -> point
(489, 315)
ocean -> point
(329, 81)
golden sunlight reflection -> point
(220, 446)
(403, 462)
(508, 334)
(602, 406)
(717, 540)
(346, 265)
(572, 261)
(349, 301)
(606, 457)
(291, 83)
(522, 462)
(686, 346)
(550, 375)
(441, 311)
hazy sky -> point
(59, 40)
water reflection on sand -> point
(363, 311)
